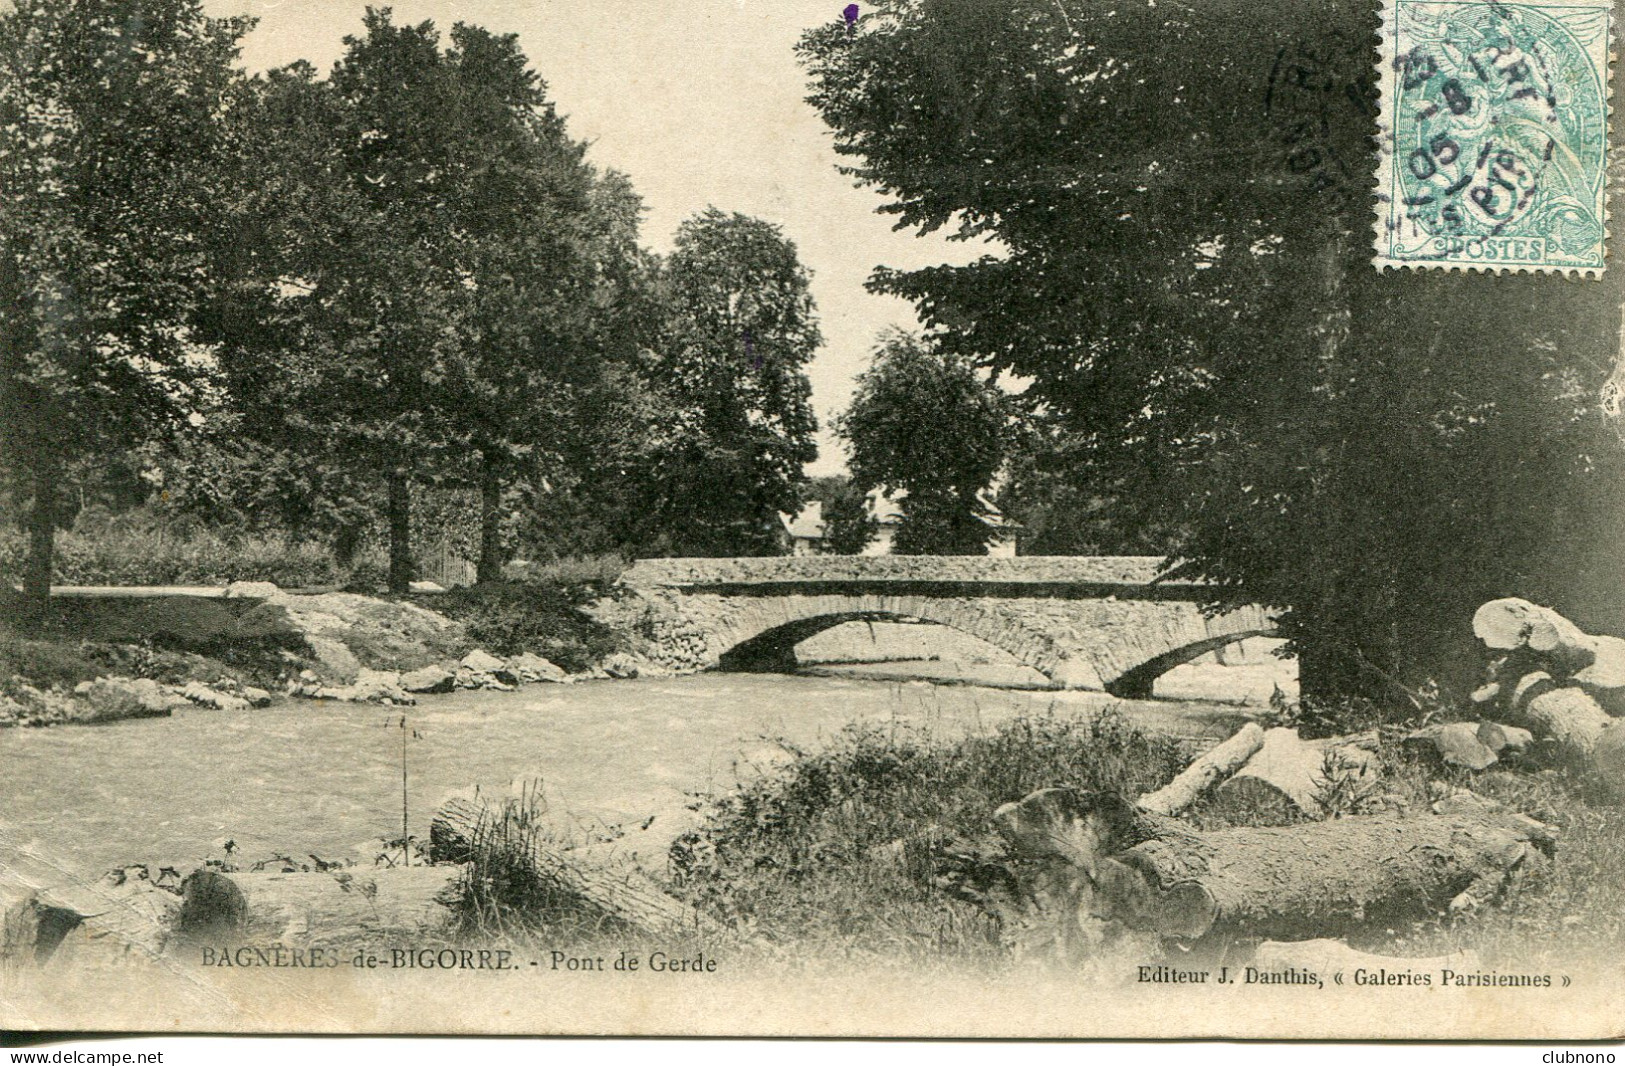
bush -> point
(504, 895)
(839, 852)
(515, 617)
(833, 850)
(591, 571)
(45, 663)
(143, 555)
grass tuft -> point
(836, 851)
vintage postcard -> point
(922, 518)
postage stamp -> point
(1494, 135)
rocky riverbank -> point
(122, 662)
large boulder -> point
(533, 668)
(430, 679)
(370, 686)
(622, 665)
(256, 697)
(110, 699)
(210, 696)
(380, 686)
(345, 633)
(102, 700)
(481, 669)
(481, 661)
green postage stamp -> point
(1494, 135)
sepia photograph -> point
(789, 518)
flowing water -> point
(304, 778)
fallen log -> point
(1288, 771)
(1206, 772)
(465, 823)
(316, 909)
(120, 918)
(1325, 956)
(1538, 638)
(1566, 715)
(1155, 874)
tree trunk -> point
(346, 542)
(315, 910)
(1206, 772)
(48, 916)
(1562, 713)
(1538, 638)
(42, 516)
(1296, 774)
(1155, 874)
(400, 532)
(1326, 674)
(491, 559)
(623, 894)
(90, 925)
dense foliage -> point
(1182, 271)
(740, 331)
(299, 306)
(849, 526)
(926, 427)
(112, 163)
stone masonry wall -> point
(1078, 642)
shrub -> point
(504, 895)
(510, 618)
(46, 664)
(143, 555)
(594, 571)
(833, 849)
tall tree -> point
(740, 329)
(530, 246)
(350, 304)
(924, 424)
(110, 160)
(1185, 279)
(277, 448)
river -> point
(325, 778)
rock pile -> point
(113, 699)
(478, 670)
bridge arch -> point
(1138, 682)
(1112, 623)
(762, 635)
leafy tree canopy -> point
(110, 167)
(1180, 202)
(740, 329)
(925, 425)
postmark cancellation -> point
(1494, 135)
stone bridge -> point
(1084, 622)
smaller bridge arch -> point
(765, 637)
(1104, 623)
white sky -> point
(700, 102)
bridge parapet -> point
(1099, 570)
